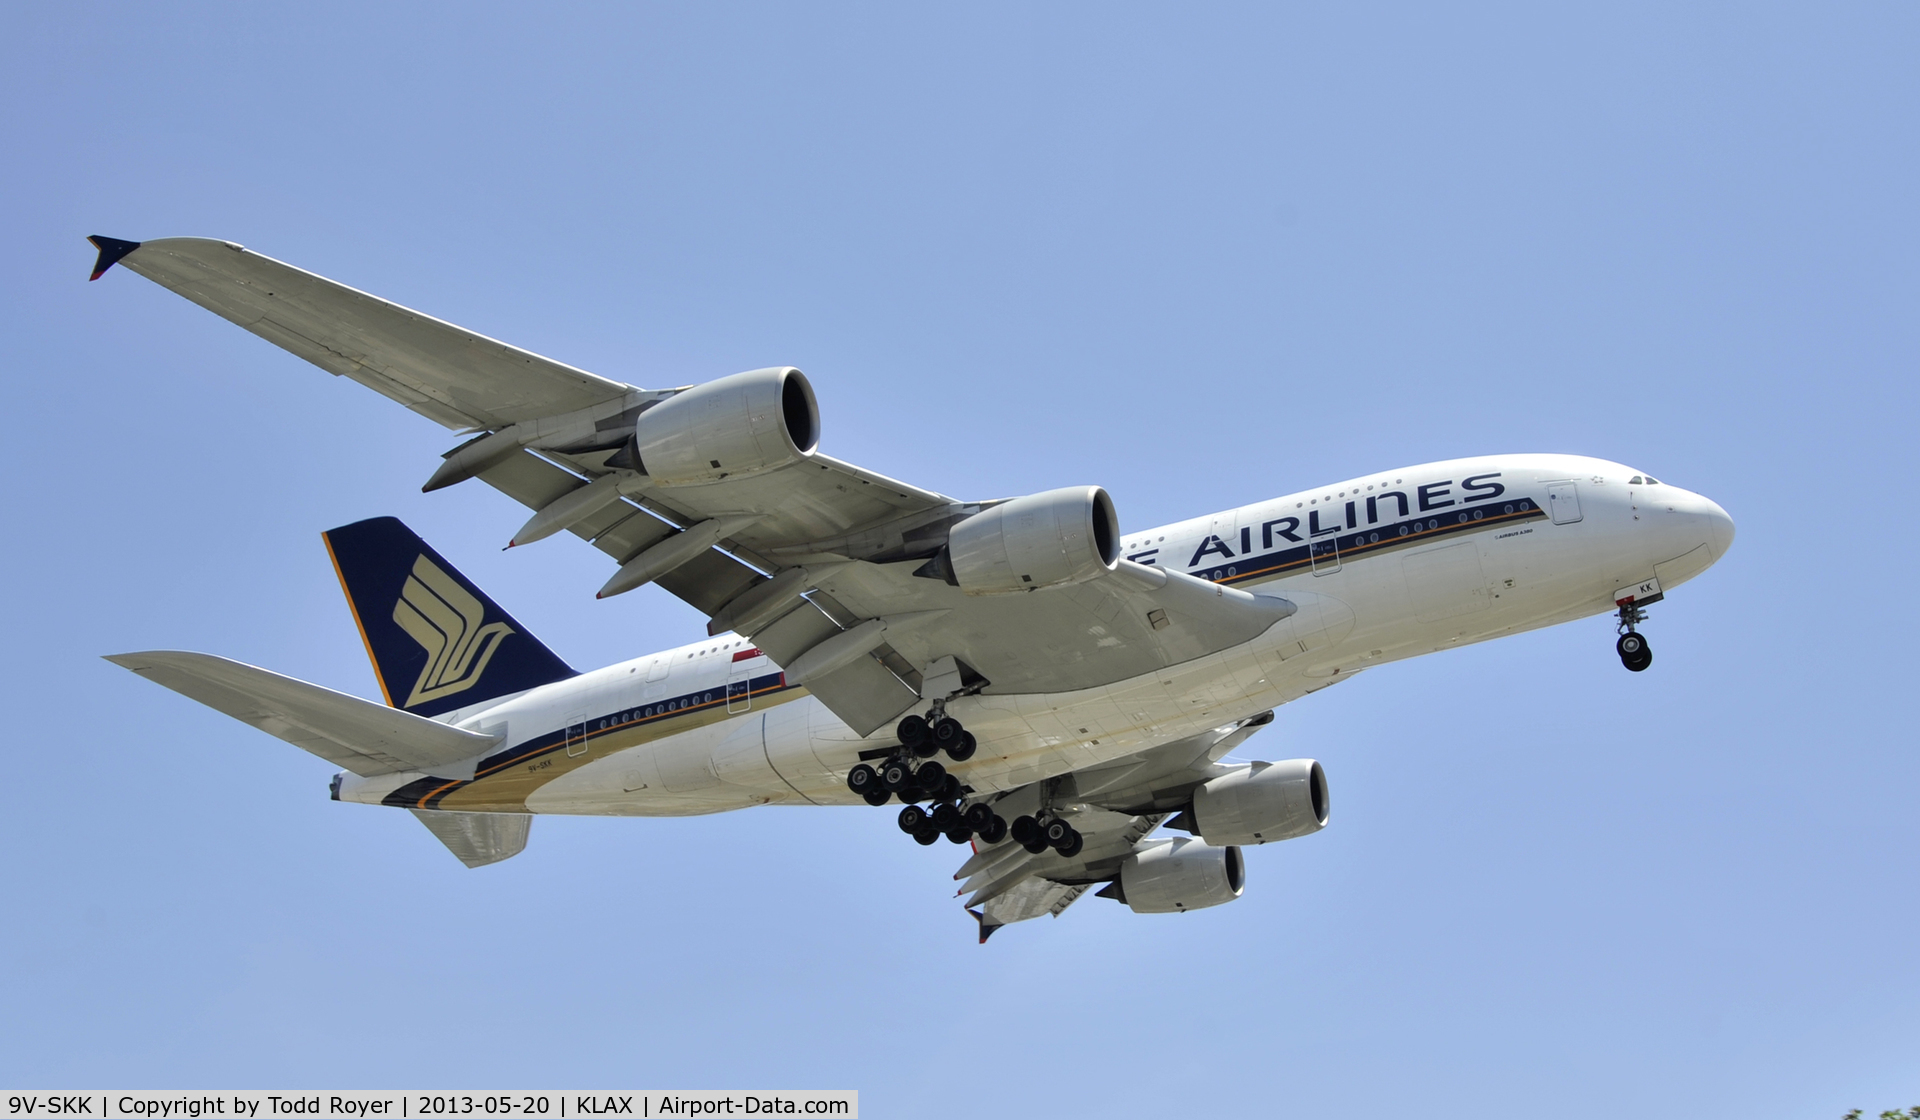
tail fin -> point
(436, 641)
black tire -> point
(978, 817)
(1630, 646)
(931, 777)
(1639, 663)
(947, 732)
(946, 818)
(877, 796)
(863, 779)
(910, 796)
(995, 831)
(1036, 847)
(927, 835)
(1073, 845)
(953, 790)
(1056, 832)
(912, 819)
(895, 776)
(1025, 830)
(959, 836)
(912, 731)
(963, 747)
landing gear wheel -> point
(912, 731)
(946, 818)
(963, 747)
(959, 836)
(1073, 845)
(927, 834)
(946, 733)
(1025, 830)
(895, 776)
(863, 779)
(1634, 651)
(1056, 832)
(910, 796)
(953, 790)
(932, 777)
(912, 819)
(978, 817)
(995, 831)
(877, 796)
(1035, 846)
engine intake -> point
(735, 427)
(1049, 539)
(1263, 802)
(1177, 875)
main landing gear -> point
(911, 774)
(1632, 647)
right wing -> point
(359, 735)
(446, 373)
(822, 558)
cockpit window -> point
(1634, 481)
(1652, 481)
(1638, 480)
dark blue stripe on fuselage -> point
(1350, 544)
(426, 793)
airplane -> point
(1020, 676)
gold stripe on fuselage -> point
(505, 788)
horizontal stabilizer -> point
(366, 738)
(479, 838)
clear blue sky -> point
(1198, 255)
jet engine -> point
(1049, 539)
(1263, 802)
(735, 427)
(1173, 876)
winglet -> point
(111, 250)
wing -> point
(367, 738)
(823, 564)
(449, 374)
(1114, 807)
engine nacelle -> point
(1173, 876)
(1263, 802)
(736, 427)
(1049, 539)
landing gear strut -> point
(911, 774)
(1632, 647)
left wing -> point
(1114, 807)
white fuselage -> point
(1382, 568)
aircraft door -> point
(1325, 553)
(1563, 501)
(739, 686)
(576, 736)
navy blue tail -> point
(437, 642)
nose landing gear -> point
(1632, 647)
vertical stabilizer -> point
(436, 641)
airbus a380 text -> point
(1018, 675)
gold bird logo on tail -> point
(446, 620)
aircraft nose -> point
(1719, 526)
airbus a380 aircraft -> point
(1082, 684)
